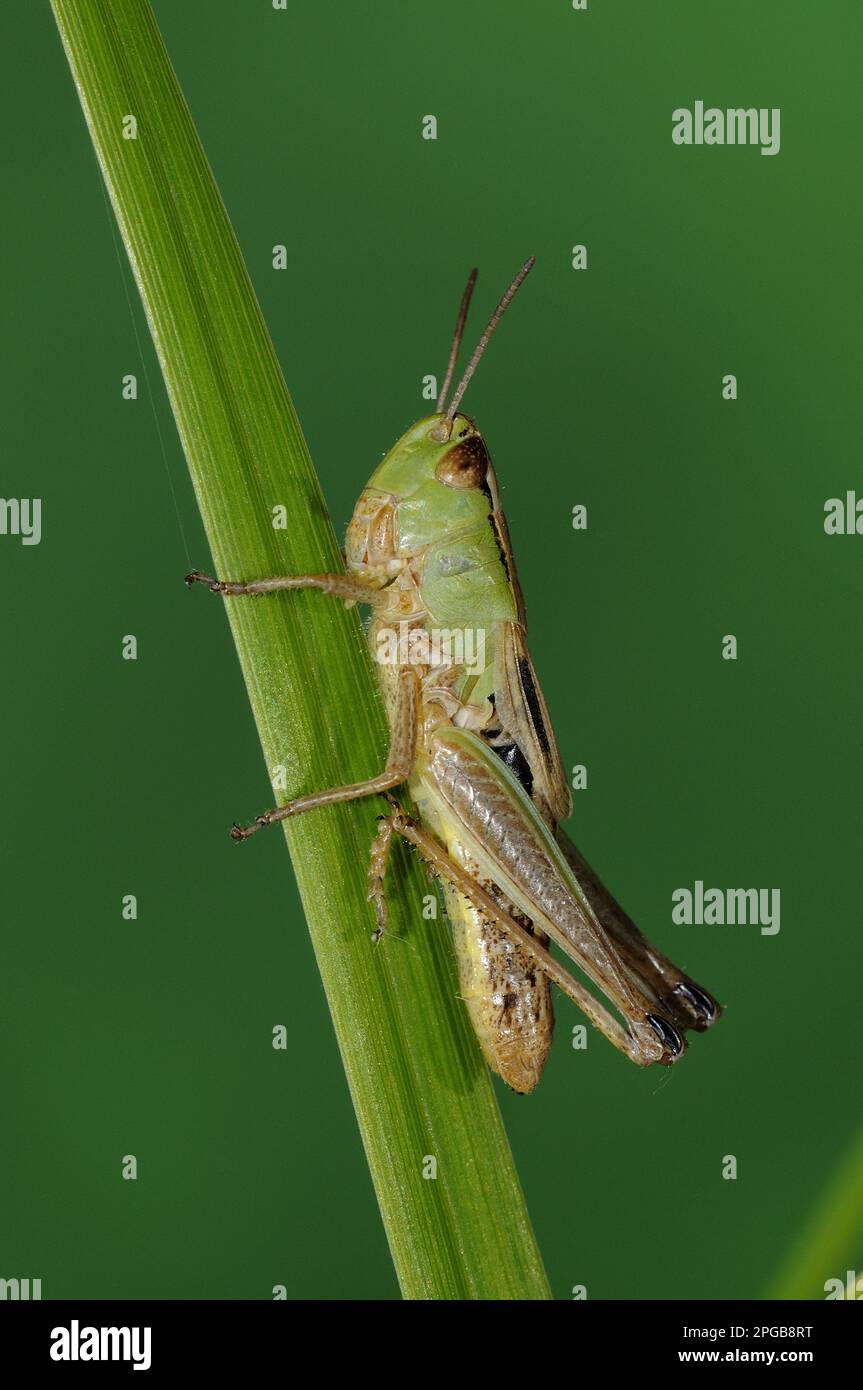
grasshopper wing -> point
(689, 1004)
(500, 830)
(522, 710)
(519, 699)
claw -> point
(196, 577)
(702, 1004)
(668, 1035)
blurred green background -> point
(705, 518)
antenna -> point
(456, 339)
(446, 425)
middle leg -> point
(399, 761)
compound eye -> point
(465, 465)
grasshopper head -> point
(423, 458)
(425, 487)
(437, 479)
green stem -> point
(832, 1238)
(418, 1084)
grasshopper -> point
(428, 550)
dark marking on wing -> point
(504, 559)
(532, 700)
(511, 754)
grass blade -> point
(831, 1240)
(418, 1084)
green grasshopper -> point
(428, 550)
